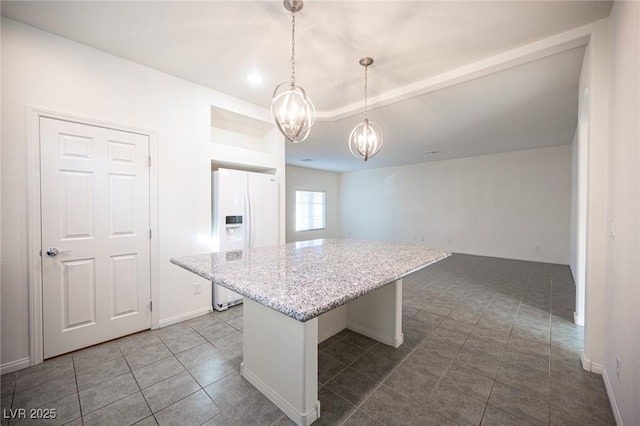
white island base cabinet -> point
(378, 315)
(280, 353)
(280, 358)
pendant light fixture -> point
(291, 108)
(366, 138)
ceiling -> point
(218, 43)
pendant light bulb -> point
(291, 109)
(366, 138)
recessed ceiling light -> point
(254, 78)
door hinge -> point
(151, 306)
(149, 233)
(149, 160)
(40, 252)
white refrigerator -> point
(245, 215)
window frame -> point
(324, 210)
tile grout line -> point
(501, 358)
(201, 388)
(82, 415)
(550, 344)
(495, 282)
(191, 375)
(381, 380)
(500, 367)
(138, 383)
(75, 376)
(384, 378)
(505, 350)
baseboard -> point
(586, 363)
(332, 331)
(597, 368)
(302, 419)
(578, 320)
(183, 317)
(589, 365)
(510, 256)
(394, 342)
(16, 365)
(19, 364)
(612, 399)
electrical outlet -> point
(613, 228)
(618, 366)
(197, 288)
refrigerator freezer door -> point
(229, 194)
(245, 214)
(230, 224)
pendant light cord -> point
(293, 45)
(366, 68)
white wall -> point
(623, 269)
(309, 179)
(511, 205)
(46, 71)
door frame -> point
(34, 218)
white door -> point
(95, 216)
(263, 202)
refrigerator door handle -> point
(249, 221)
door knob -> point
(53, 251)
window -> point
(310, 210)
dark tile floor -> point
(487, 341)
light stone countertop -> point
(308, 278)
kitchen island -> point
(287, 287)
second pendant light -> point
(366, 138)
